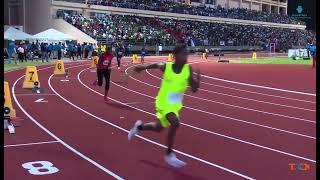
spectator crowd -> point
(24, 50)
(173, 7)
(149, 31)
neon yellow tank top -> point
(173, 86)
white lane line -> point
(306, 120)
(249, 99)
(240, 107)
(258, 86)
(142, 102)
(253, 85)
(141, 137)
(35, 94)
(58, 139)
(40, 100)
(235, 106)
(225, 117)
(254, 92)
(29, 144)
(188, 125)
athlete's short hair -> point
(179, 48)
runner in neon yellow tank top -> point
(176, 78)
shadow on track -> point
(178, 175)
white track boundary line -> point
(200, 129)
(254, 92)
(249, 99)
(29, 144)
(222, 116)
(219, 115)
(226, 117)
(141, 137)
(240, 107)
(254, 85)
(35, 95)
(58, 139)
(259, 86)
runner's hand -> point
(130, 73)
(198, 75)
(138, 69)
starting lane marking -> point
(64, 80)
(54, 136)
(46, 168)
(41, 100)
(29, 144)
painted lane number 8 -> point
(40, 167)
(59, 66)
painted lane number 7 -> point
(31, 72)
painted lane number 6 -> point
(40, 167)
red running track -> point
(221, 136)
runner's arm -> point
(160, 66)
(194, 80)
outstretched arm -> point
(140, 68)
(194, 80)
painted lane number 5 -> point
(40, 168)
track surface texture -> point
(245, 122)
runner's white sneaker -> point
(172, 160)
(134, 130)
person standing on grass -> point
(313, 53)
(59, 50)
(50, 51)
(176, 78)
(24, 46)
(79, 54)
(63, 49)
(143, 54)
(10, 49)
(71, 51)
(104, 70)
(20, 53)
(86, 51)
(44, 52)
(90, 49)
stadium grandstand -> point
(204, 24)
